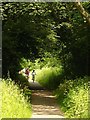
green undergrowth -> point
(72, 97)
(22, 80)
(49, 77)
(14, 102)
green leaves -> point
(32, 29)
(73, 97)
(49, 77)
(14, 104)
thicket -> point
(49, 77)
(55, 28)
(15, 103)
(73, 98)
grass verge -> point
(14, 103)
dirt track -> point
(44, 104)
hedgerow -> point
(14, 102)
(72, 97)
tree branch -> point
(82, 11)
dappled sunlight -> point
(43, 93)
(44, 103)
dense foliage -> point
(49, 77)
(31, 30)
(73, 98)
(14, 104)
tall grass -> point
(14, 104)
(72, 96)
(49, 77)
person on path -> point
(26, 72)
(33, 75)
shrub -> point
(14, 104)
(49, 77)
(24, 63)
(72, 96)
(22, 81)
(76, 103)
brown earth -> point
(44, 104)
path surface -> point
(44, 103)
(35, 85)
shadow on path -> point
(44, 104)
(35, 85)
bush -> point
(77, 103)
(14, 104)
(49, 77)
(72, 96)
(22, 80)
(24, 63)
